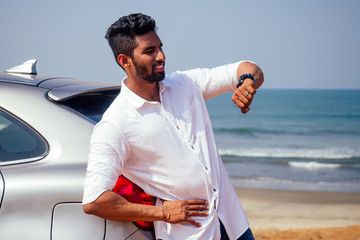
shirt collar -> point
(136, 100)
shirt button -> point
(177, 127)
(214, 189)
(206, 168)
(192, 147)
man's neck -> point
(144, 89)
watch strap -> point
(243, 77)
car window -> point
(92, 105)
(18, 141)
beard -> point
(142, 72)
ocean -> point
(291, 139)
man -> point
(158, 134)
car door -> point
(37, 193)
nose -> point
(160, 56)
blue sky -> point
(298, 44)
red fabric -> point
(133, 193)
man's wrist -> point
(165, 215)
(243, 77)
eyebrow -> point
(152, 47)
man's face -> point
(149, 58)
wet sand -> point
(285, 214)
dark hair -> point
(121, 34)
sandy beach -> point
(285, 214)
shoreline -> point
(274, 214)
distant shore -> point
(274, 214)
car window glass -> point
(18, 141)
(92, 105)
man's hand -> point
(244, 95)
(183, 210)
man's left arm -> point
(244, 94)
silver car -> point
(45, 128)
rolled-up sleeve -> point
(108, 151)
(215, 81)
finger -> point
(241, 101)
(245, 110)
(198, 207)
(239, 104)
(197, 202)
(248, 95)
(250, 89)
(244, 89)
(244, 96)
(197, 214)
(193, 222)
(241, 91)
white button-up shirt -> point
(168, 149)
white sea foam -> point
(325, 153)
(314, 165)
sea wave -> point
(300, 131)
(305, 153)
(314, 165)
(286, 181)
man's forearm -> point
(112, 206)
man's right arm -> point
(112, 206)
(107, 148)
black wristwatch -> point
(243, 77)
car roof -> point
(20, 78)
(60, 88)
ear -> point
(124, 60)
